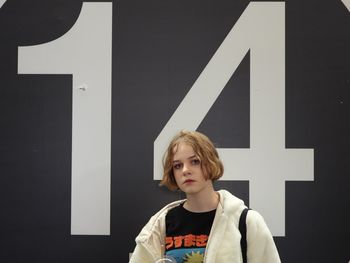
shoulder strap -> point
(243, 229)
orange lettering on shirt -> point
(169, 242)
(201, 240)
(178, 241)
(190, 240)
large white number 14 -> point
(266, 164)
(86, 52)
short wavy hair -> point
(203, 147)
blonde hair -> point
(202, 146)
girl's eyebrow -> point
(191, 157)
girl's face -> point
(187, 170)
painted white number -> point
(2, 2)
(85, 52)
(266, 164)
(347, 4)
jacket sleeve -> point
(140, 254)
(149, 242)
(260, 245)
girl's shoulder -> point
(156, 222)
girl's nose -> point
(185, 169)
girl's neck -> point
(204, 201)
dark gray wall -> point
(159, 49)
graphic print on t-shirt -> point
(187, 234)
(188, 248)
(187, 255)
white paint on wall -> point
(267, 164)
(85, 52)
(2, 2)
(347, 4)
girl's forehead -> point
(182, 150)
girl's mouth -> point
(188, 181)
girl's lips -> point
(188, 181)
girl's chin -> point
(189, 190)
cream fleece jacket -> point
(224, 239)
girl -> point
(204, 226)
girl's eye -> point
(196, 161)
(177, 166)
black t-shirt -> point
(187, 234)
